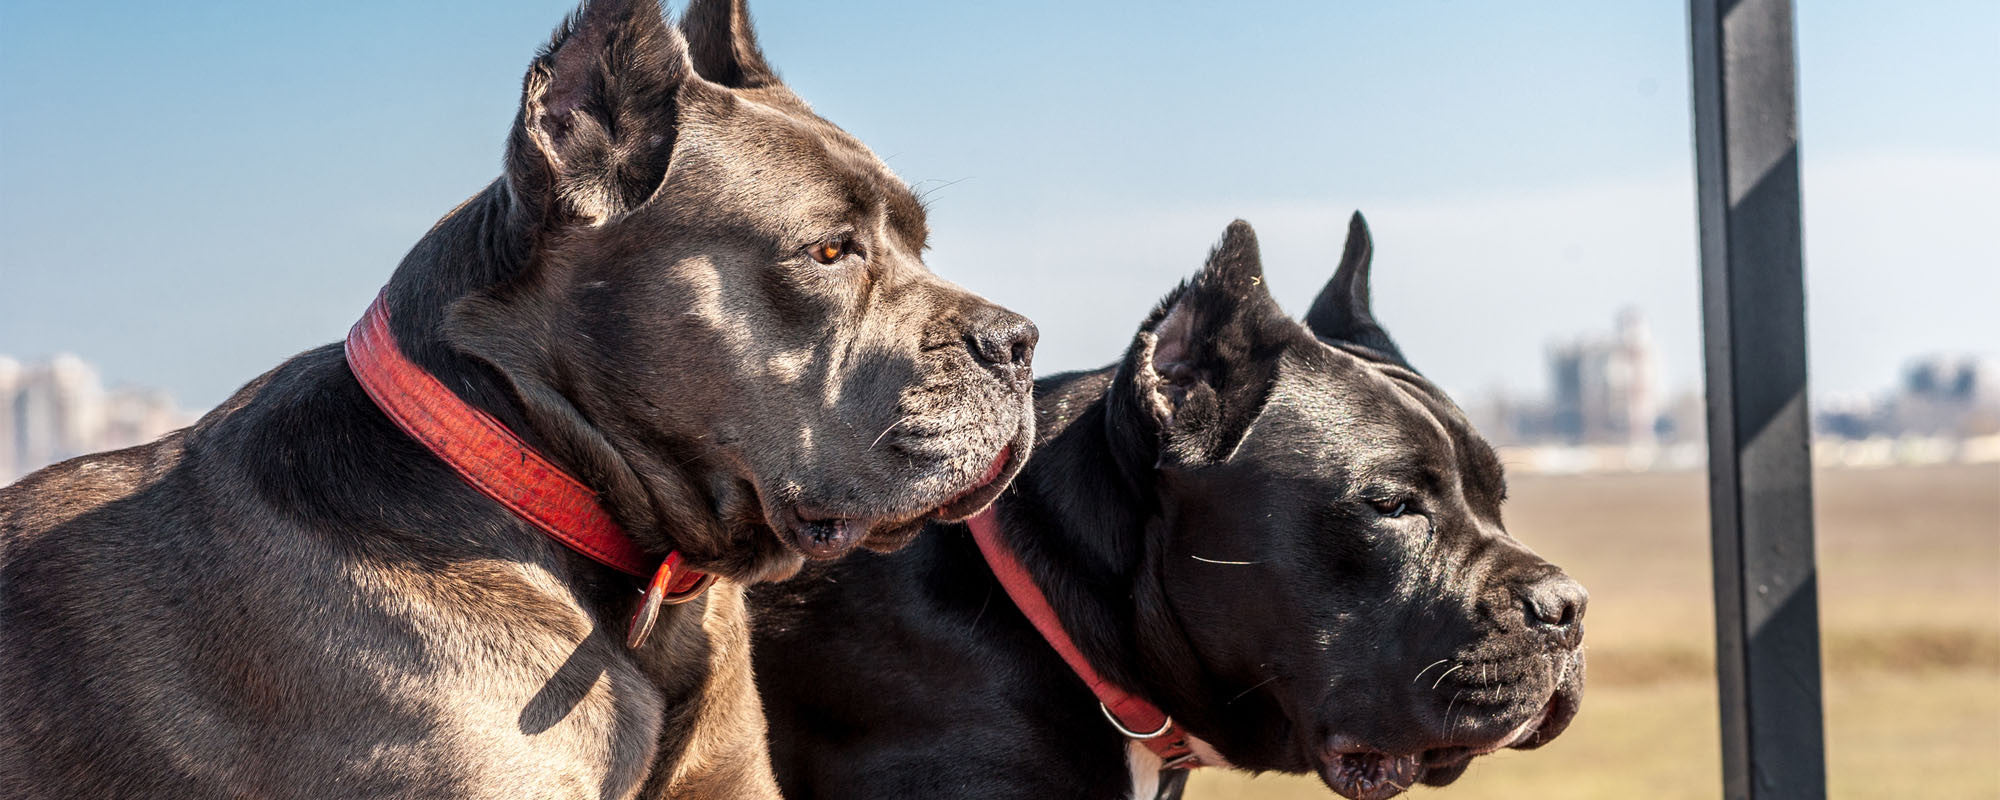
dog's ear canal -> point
(1342, 312)
(598, 113)
(723, 45)
(1199, 371)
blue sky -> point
(191, 192)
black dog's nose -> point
(1005, 342)
(1555, 604)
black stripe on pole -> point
(1760, 462)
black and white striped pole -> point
(1760, 460)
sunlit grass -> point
(1933, 736)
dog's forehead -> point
(1334, 416)
(1340, 418)
(783, 159)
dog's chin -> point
(781, 565)
(823, 535)
(893, 537)
(1370, 775)
(1358, 772)
(820, 537)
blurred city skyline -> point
(1604, 410)
(193, 192)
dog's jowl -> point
(691, 318)
(1255, 542)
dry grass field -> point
(1910, 607)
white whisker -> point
(1226, 563)
(1420, 673)
(1260, 685)
(885, 432)
(1447, 674)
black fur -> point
(1213, 520)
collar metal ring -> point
(692, 592)
(1129, 733)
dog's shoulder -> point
(69, 504)
(58, 494)
(231, 562)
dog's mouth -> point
(1363, 774)
(1358, 772)
(823, 536)
(975, 498)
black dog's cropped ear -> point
(1342, 312)
(598, 111)
(724, 46)
(1201, 367)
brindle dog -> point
(1280, 534)
(689, 291)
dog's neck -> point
(1083, 517)
(474, 248)
(482, 250)
(342, 459)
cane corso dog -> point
(690, 293)
(1279, 534)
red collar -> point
(1139, 720)
(496, 462)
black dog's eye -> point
(832, 250)
(1393, 509)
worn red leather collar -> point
(496, 462)
(1139, 720)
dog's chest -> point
(515, 698)
(1148, 781)
(1145, 768)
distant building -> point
(1606, 390)
(10, 419)
(1605, 411)
(1603, 390)
(1939, 396)
(59, 409)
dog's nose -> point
(1555, 604)
(1005, 342)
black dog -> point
(1280, 534)
(690, 293)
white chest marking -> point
(1145, 768)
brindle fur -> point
(294, 599)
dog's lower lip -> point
(1546, 724)
(993, 471)
(1525, 730)
(826, 538)
(1370, 774)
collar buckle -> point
(665, 589)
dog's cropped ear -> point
(1201, 367)
(598, 113)
(1342, 312)
(724, 46)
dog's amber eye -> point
(831, 250)
(1393, 510)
